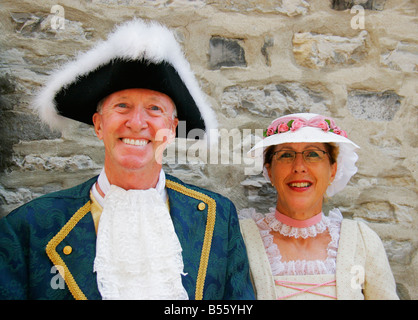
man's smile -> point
(135, 142)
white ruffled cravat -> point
(138, 254)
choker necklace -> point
(298, 223)
(297, 228)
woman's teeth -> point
(135, 142)
(300, 184)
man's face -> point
(135, 125)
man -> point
(132, 232)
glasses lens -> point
(288, 156)
(285, 156)
(313, 155)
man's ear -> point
(97, 122)
(174, 127)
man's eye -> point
(122, 105)
(155, 108)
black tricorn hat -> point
(136, 55)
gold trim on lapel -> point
(57, 260)
(207, 241)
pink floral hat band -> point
(290, 123)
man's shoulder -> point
(67, 198)
(195, 189)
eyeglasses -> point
(310, 155)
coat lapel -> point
(193, 214)
(72, 251)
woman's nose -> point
(299, 164)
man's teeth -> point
(300, 184)
(135, 142)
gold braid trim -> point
(207, 241)
(57, 260)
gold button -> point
(67, 250)
(201, 206)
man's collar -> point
(105, 186)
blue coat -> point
(52, 239)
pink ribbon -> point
(285, 124)
(286, 284)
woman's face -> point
(301, 184)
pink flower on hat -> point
(296, 125)
(283, 127)
(270, 131)
(323, 125)
(340, 132)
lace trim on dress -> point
(268, 222)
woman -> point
(295, 251)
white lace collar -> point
(105, 187)
(268, 222)
(138, 254)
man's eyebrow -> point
(121, 98)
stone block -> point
(289, 8)
(366, 4)
(271, 101)
(225, 52)
(403, 58)
(316, 51)
(379, 211)
(17, 126)
(375, 106)
(399, 251)
(73, 163)
(49, 26)
(268, 43)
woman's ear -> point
(333, 171)
(268, 169)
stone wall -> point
(355, 60)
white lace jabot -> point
(268, 222)
(138, 254)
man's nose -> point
(137, 119)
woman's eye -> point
(312, 154)
(286, 155)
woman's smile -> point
(300, 186)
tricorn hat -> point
(137, 54)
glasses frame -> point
(302, 153)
